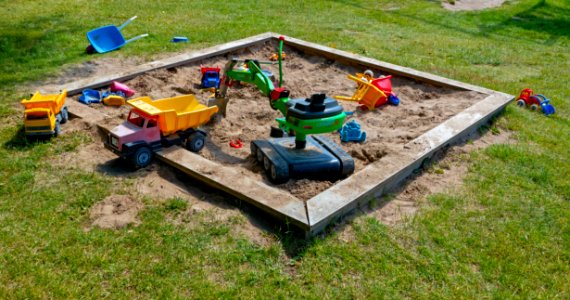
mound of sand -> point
(114, 212)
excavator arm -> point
(250, 71)
(242, 71)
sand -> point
(388, 128)
(249, 116)
(114, 212)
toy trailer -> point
(152, 125)
(44, 114)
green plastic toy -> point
(314, 115)
(284, 156)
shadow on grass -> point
(292, 239)
(20, 142)
(542, 17)
(24, 46)
(375, 205)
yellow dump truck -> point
(152, 125)
(44, 114)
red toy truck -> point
(527, 98)
(152, 125)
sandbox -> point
(434, 112)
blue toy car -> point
(210, 77)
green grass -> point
(507, 235)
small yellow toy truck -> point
(152, 125)
(44, 114)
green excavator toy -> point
(295, 150)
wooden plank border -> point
(272, 200)
(319, 211)
(351, 58)
(386, 173)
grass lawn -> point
(506, 235)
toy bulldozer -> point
(371, 92)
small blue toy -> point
(90, 96)
(393, 99)
(547, 108)
(351, 132)
(210, 77)
(179, 39)
(106, 94)
(94, 96)
(545, 105)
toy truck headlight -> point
(114, 141)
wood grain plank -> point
(234, 182)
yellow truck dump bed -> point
(176, 113)
(53, 102)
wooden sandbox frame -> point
(311, 216)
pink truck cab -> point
(152, 125)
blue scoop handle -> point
(136, 38)
(127, 23)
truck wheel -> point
(195, 142)
(521, 103)
(64, 115)
(142, 157)
(57, 130)
(533, 107)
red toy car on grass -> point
(528, 99)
